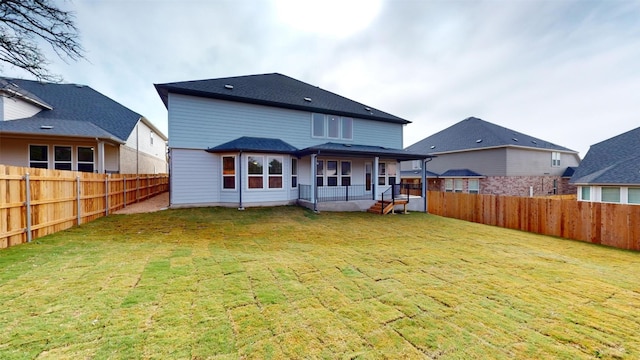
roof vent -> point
(228, 86)
(307, 99)
(432, 147)
(347, 145)
(79, 85)
(514, 139)
(46, 127)
(533, 141)
(367, 108)
(479, 141)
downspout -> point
(137, 147)
(240, 206)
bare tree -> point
(24, 24)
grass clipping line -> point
(284, 282)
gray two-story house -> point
(264, 140)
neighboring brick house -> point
(476, 156)
(74, 127)
(610, 172)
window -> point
(294, 173)
(275, 172)
(611, 194)
(332, 173)
(331, 126)
(38, 156)
(318, 125)
(382, 174)
(416, 165)
(228, 172)
(448, 185)
(334, 126)
(255, 169)
(457, 185)
(474, 186)
(151, 138)
(585, 193)
(320, 173)
(62, 157)
(555, 159)
(85, 159)
(368, 169)
(347, 128)
(345, 173)
(634, 196)
(391, 173)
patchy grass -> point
(286, 283)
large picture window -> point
(85, 159)
(39, 156)
(275, 172)
(255, 170)
(62, 157)
(228, 172)
(331, 126)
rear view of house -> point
(476, 156)
(610, 172)
(272, 140)
(74, 127)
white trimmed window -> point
(151, 138)
(448, 185)
(345, 173)
(332, 173)
(331, 127)
(320, 173)
(347, 128)
(458, 185)
(85, 159)
(555, 159)
(255, 172)
(294, 173)
(416, 165)
(585, 193)
(228, 172)
(633, 195)
(474, 186)
(382, 174)
(275, 172)
(39, 156)
(611, 194)
(317, 125)
(62, 157)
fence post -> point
(137, 188)
(106, 195)
(78, 199)
(28, 204)
(124, 187)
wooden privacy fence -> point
(616, 225)
(38, 202)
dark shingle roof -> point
(417, 173)
(276, 90)
(361, 150)
(55, 127)
(473, 134)
(613, 161)
(81, 103)
(460, 173)
(262, 145)
(568, 172)
(8, 86)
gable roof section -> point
(55, 127)
(476, 134)
(254, 144)
(81, 103)
(276, 90)
(12, 89)
(613, 161)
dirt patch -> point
(156, 203)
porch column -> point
(100, 148)
(314, 184)
(374, 175)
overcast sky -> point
(563, 71)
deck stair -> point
(384, 207)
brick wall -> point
(520, 185)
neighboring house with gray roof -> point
(272, 140)
(476, 156)
(74, 127)
(610, 172)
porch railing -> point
(335, 193)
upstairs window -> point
(331, 127)
(334, 126)
(555, 159)
(347, 128)
(151, 138)
(318, 125)
(39, 156)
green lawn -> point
(288, 283)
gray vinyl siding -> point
(489, 162)
(195, 177)
(524, 162)
(200, 123)
(13, 108)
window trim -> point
(271, 176)
(93, 160)
(70, 161)
(582, 192)
(46, 162)
(322, 118)
(629, 190)
(341, 123)
(555, 159)
(234, 175)
(611, 188)
(294, 172)
(474, 190)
